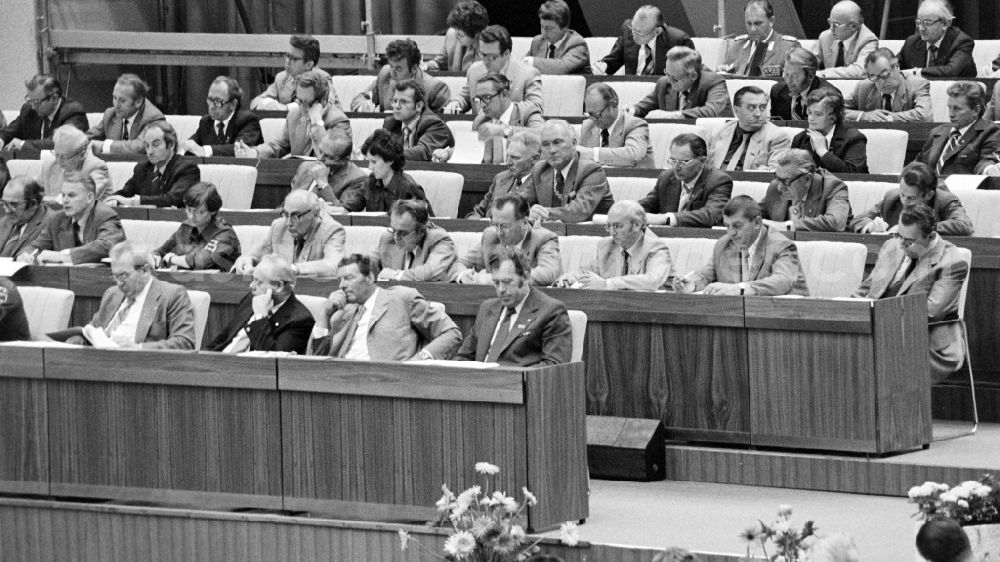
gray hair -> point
(529, 139)
(689, 58)
(632, 209)
(71, 135)
(132, 251)
(797, 157)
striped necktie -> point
(948, 149)
(119, 316)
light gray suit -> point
(166, 320)
(761, 150)
(648, 265)
(910, 102)
(825, 50)
(320, 254)
(628, 143)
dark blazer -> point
(847, 153)
(31, 231)
(827, 207)
(13, 321)
(951, 217)
(712, 191)
(215, 247)
(781, 98)
(288, 329)
(178, 176)
(974, 152)
(541, 335)
(585, 191)
(102, 231)
(430, 134)
(626, 52)
(503, 183)
(372, 196)
(953, 60)
(710, 99)
(27, 126)
(243, 125)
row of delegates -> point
(45, 109)
(918, 184)
(494, 46)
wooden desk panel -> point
(24, 464)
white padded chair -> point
(846, 87)
(562, 95)
(48, 310)
(465, 241)
(983, 207)
(468, 147)
(349, 86)
(151, 234)
(631, 93)
(833, 269)
(443, 190)
(454, 83)
(94, 119)
(361, 129)
(755, 189)
(886, 150)
(200, 302)
(578, 324)
(965, 254)
(251, 236)
(576, 251)
(185, 126)
(270, 128)
(711, 49)
(984, 53)
(519, 46)
(688, 254)
(236, 184)
(626, 188)
(362, 239)
(599, 47)
(10, 114)
(661, 134)
(865, 194)
(120, 173)
(711, 125)
(791, 132)
(313, 303)
(30, 168)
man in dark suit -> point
(687, 90)
(164, 178)
(225, 123)
(523, 151)
(24, 215)
(691, 193)
(269, 318)
(938, 49)
(13, 321)
(120, 129)
(562, 187)
(802, 197)
(969, 144)
(558, 49)
(522, 326)
(422, 133)
(44, 110)
(645, 40)
(798, 80)
(918, 184)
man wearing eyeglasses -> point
(611, 136)
(842, 48)
(494, 48)
(752, 141)
(798, 80)
(690, 193)
(918, 184)
(44, 110)
(888, 94)
(404, 59)
(301, 57)
(687, 90)
(421, 132)
(24, 214)
(917, 260)
(523, 151)
(71, 149)
(509, 228)
(225, 123)
(165, 176)
(761, 51)
(333, 173)
(937, 49)
(500, 117)
(642, 44)
(304, 235)
(121, 126)
(804, 197)
(413, 248)
(631, 258)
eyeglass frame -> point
(906, 242)
(924, 24)
(296, 215)
(292, 58)
(9, 207)
(35, 103)
(883, 76)
(400, 234)
(838, 25)
(216, 102)
(484, 99)
(121, 277)
(611, 227)
(786, 183)
(675, 164)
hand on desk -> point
(591, 280)
(241, 150)
(878, 225)
(683, 285)
(538, 213)
(193, 148)
(730, 289)
(243, 265)
(780, 226)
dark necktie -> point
(408, 260)
(300, 243)
(220, 133)
(501, 336)
(560, 184)
(931, 55)
(46, 128)
(840, 54)
(897, 281)
(948, 149)
(552, 51)
(624, 262)
(407, 137)
(734, 145)
(798, 112)
(76, 234)
(647, 67)
(605, 136)
(753, 68)
(125, 130)
(887, 102)
(744, 266)
(157, 181)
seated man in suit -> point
(13, 321)
(302, 57)
(269, 317)
(761, 51)
(969, 144)
(918, 184)
(82, 232)
(404, 60)
(140, 311)
(937, 49)
(44, 110)
(522, 326)
(305, 235)
(690, 193)
(422, 133)
(523, 150)
(460, 49)
(610, 135)
(557, 49)
(802, 197)
(888, 95)
(633, 258)
(642, 44)
(917, 260)
(165, 176)
(798, 80)
(334, 172)
(204, 240)
(751, 142)
(562, 187)
(413, 248)
(365, 322)
(494, 48)
(24, 215)
(121, 127)
(225, 123)
(749, 260)
(687, 90)
(511, 229)
(832, 145)
(842, 49)
(500, 117)
(71, 149)
(387, 181)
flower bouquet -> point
(969, 503)
(786, 542)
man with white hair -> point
(842, 48)
(73, 157)
(686, 91)
(632, 258)
(121, 126)
(642, 44)
(938, 49)
(888, 94)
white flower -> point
(404, 539)
(784, 510)
(487, 468)
(517, 532)
(781, 526)
(569, 534)
(509, 504)
(962, 503)
(460, 545)
(982, 491)
(529, 498)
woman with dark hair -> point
(460, 48)
(204, 240)
(387, 181)
(833, 146)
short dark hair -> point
(203, 192)
(832, 100)
(919, 175)
(751, 89)
(416, 208)
(522, 265)
(33, 191)
(764, 5)
(319, 83)
(607, 92)
(138, 85)
(880, 53)
(920, 215)
(696, 143)
(381, 143)
(48, 83)
(500, 82)
(521, 208)
(309, 46)
(411, 84)
(743, 205)
(942, 539)
(235, 92)
(405, 49)
(556, 11)
(972, 92)
(367, 265)
(470, 17)
(497, 33)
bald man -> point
(642, 45)
(842, 48)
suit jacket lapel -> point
(616, 136)
(881, 283)
(378, 309)
(569, 185)
(522, 323)
(758, 257)
(923, 267)
(148, 312)
(483, 344)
